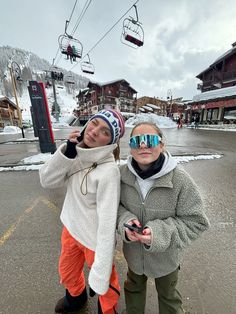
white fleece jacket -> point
(89, 218)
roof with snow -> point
(153, 106)
(2, 98)
(228, 53)
(84, 89)
(111, 82)
(146, 107)
(217, 93)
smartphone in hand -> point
(81, 136)
(134, 228)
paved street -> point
(30, 231)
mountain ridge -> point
(33, 67)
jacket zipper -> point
(143, 208)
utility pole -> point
(170, 99)
(55, 101)
(54, 93)
(13, 80)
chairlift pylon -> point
(132, 32)
(87, 66)
(16, 70)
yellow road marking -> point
(8, 233)
(13, 227)
(50, 205)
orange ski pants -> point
(71, 263)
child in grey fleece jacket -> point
(162, 202)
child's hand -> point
(73, 136)
(131, 235)
(145, 237)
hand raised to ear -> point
(73, 136)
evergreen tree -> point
(53, 110)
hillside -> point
(34, 68)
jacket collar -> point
(98, 154)
(129, 178)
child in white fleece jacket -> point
(87, 165)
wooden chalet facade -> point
(177, 108)
(152, 105)
(8, 112)
(116, 94)
(217, 102)
(221, 73)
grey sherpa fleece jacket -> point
(172, 209)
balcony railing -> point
(128, 110)
(229, 75)
(106, 101)
(220, 77)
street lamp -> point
(170, 98)
(55, 103)
(15, 73)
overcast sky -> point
(182, 38)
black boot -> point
(71, 304)
(99, 308)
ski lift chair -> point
(69, 79)
(87, 66)
(47, 75)
(133, 32)
(56, 73)
(65, 40)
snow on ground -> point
(35, 162)
(219, 127)
(160, 121)
(66, 102)
(10, 129)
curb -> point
(122, 159)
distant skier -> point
(69, 52)
(75, 54)
(196, 121)
(180, 122)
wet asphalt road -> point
(30, 231)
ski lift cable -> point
(58, 49)
(107, 32)
(56, 63)
(87, 4)
(66, 39)
(72, 12)
(85, 8)
(68, 21)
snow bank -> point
(160, 121)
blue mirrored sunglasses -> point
(150, 140)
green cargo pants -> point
(169, 298)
